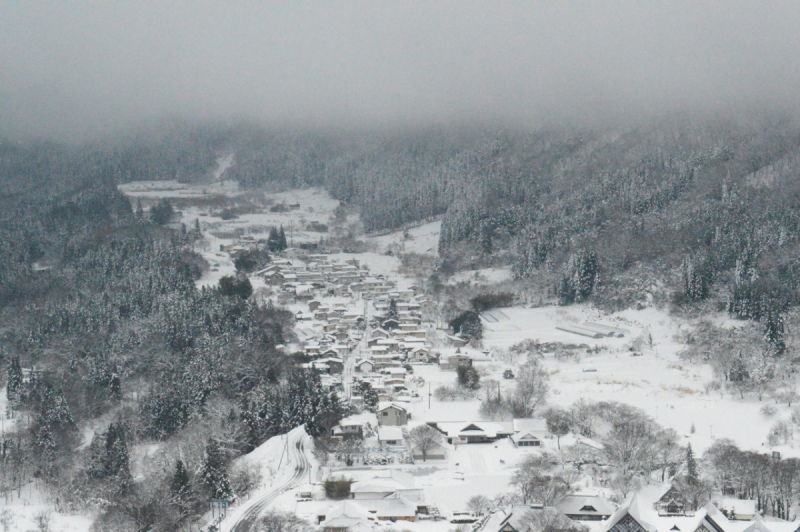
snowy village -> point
(381, 266)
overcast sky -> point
(70, 68)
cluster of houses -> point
(305, 275)
(662, 508)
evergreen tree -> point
(580, 276)
(370, 396)
(180, 484)
(113, 462)
(180, 490)
(274, 241)
(213, 472)
(116, 386)
(14, 385)
(692, 477)
(696, 281)
(162, 212)
(282, 240)
(391, 313)
(774, 332)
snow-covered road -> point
(243, 518)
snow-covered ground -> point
(485, 276)
(655, 379)
(668, 389)
(423, 239)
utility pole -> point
(429, 395)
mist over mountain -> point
(81, 70)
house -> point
(391, 509)
(525, 439)
(383, 333)
(641, 513)
(391, 437)
(519, 519)
(673, 502)
(364, 366)
(395, 384)
(586, 508)
(457, 341)
(330, 365)
(473, 432)
(392, 415)
(386, 484)
(453, 361)
(390, 323)
(529, 432)
(345, 516)
(419, 354)
(348, 429)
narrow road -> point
(244, 521)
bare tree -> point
(350, 449)
(536, 484)
(558, 423)
(281, 522)
(532, 389)
(668, 454)
(583, 416)
(425, 438)
(630, 446)
(6, 520)
(479, 504)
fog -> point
(81, 69)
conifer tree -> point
(282, 240)
(213, 471)
(14, 385)
(774, 332)
(180, 489)
(692, 477)
(274, 240)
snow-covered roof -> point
(519, 517)
(640, 506)
(585, 505)
(384, 405)
(347, 514)
(739, 506)
(474, 428)
(394, 507)
(390, 434)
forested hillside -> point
(703, 205)
(106, 343)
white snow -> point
(423, 239)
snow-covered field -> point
(423, 239)
(659, 382)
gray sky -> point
(71, 69)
